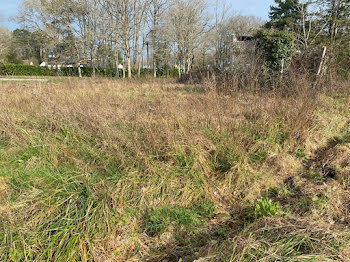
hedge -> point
(112, 72)
(30, 70)
(25, 70)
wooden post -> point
(320, 67)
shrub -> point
(3, 70)
(276, 47)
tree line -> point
(133, 35)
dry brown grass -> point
(89, 167)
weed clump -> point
(266, 207)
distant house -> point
(50, 66)
(245, 38)
(58, 63)
(242, 52)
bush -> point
(341, 61)
(25, 70)
(276, 47)
(3, 70)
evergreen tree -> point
(284, 15)
(338, 15)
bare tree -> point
(127, 18)
(5, 41)
(310, 27)
(50, 18)
(179, 33)
(156, 21)
(88, 27)
(188, 22)
(126, 15)
(111, 8)
(42, 15)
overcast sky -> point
(259, 8)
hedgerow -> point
(31, 70)
(25, 70)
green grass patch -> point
(266, 207)
(159, 220)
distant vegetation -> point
(24, 70)
(159, 37)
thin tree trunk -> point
(78, 57)
(129, 65)
(140, 63)
(154, 70)
(92, 62)
(123, 65)
(141, 51)
(117, 63)
(147, 54)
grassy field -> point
(101, 170)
